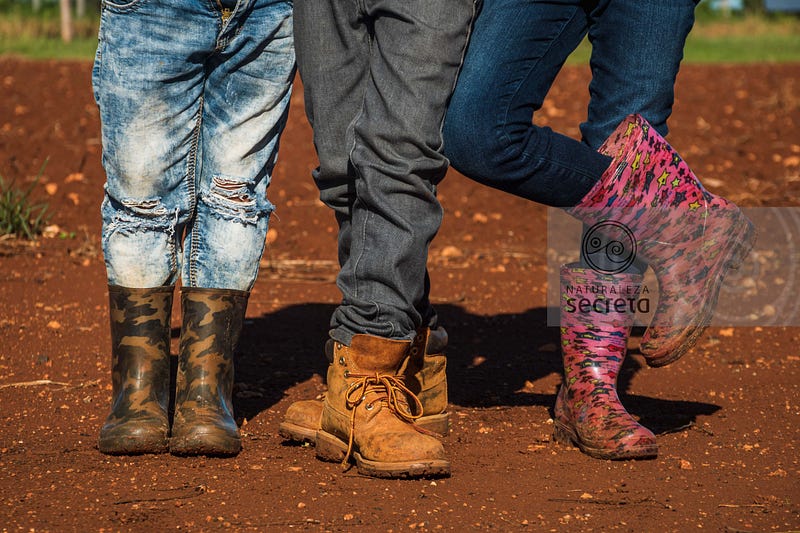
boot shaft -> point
(140, 377)
(647, 188)
(425, 369)
(212, 324)
(688, 236)
(595, 322)
(140, 339)
(366, 355)
(204, 423)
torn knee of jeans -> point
(232, 189)
(148, 207)
(235, 199)
(139, 216)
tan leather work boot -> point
(425, 375)
(366, 415)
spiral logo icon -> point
(609, 247)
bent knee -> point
(471, 146)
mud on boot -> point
(204, 423)
(367, 419)
(140, 334)
(425, 376)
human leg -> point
(516, 49)
(148, 89)
(415, 56)
(148, 92)
(248, 82)
(245, 104)
(595, 323)
(333, 65)
(380, 434)
(637, 47)
(634, 67)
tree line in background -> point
(70, 11)
(65, 10)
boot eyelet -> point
(369, 407)
(339, 346)
(414, 350)
(341, 360)
(347, 373)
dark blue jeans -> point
(377, 76)
(516, 50)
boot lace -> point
(390, 391)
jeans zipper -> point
(225, 12)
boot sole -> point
(438, 424)
(297, 433)
(211, 447)
(135, 437)
(691, 333)
(330, 448)
(131, 447)
(565, 435)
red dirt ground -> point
(726, 415)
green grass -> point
(38, 36)
(742, 49)
(48, 48)
(738, 39)
(20, 215)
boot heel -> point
(563, 436)
(439, 424)
(744, 247)
(329, 448)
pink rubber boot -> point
(596, 318)
(689, 236)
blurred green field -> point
(738, 39)
(750, 38)
(38, 35)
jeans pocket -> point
(122, 6)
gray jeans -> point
(377, 77)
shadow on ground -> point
(491, 360)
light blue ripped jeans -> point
(192, 104)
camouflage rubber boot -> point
(140, 332)
(595, 324)
(366, 415)
(204, 422)
(425, 373)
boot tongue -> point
(376, 354)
